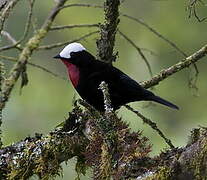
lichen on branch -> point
(26, 53)
(108, 31)
(42, 155)
(165, 73)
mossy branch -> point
(107, 145)
(2, 74)
(107, 101)
(26, 53)
(112, 146)
(42, 155)
(185, 163)
(165, 73)
(108, 31)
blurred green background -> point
(46, 100)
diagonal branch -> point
(165, 73)
(9, 37)
(26, 53)
(153, 125)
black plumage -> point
(122, 88)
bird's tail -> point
(162, 101)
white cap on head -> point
(72, 47)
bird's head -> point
(74, 53)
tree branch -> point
(9, 37)
(186, 163)
(107, 145)
(108, 31)
(198, 55)
(107, 101)
(153, 125)
(73, 26)
(42, 155)
(193, 9)
(81, 5)
(26, 53)
(2, 74)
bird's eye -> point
(72, 53)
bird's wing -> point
(129, 82)
(117, 80)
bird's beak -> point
(57, 57)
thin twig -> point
(155, 32)
(2, 73)
(81, 5)
(28, 22)
(152, 124)
(34, 65)
(192, 10)
(55, 45)
(53, 28)
(192, 81)
(138, 50)
(12, 46)
(13, 41)
(151, 52)
(26, 31)
(9, 37)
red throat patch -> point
(73, 72)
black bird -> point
(86, 73)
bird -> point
(86, 74)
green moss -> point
(197, 164)
(80, 167)
(33, 43)
(43, 157)
(164, 173)
(195, 135)
(193, 163)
